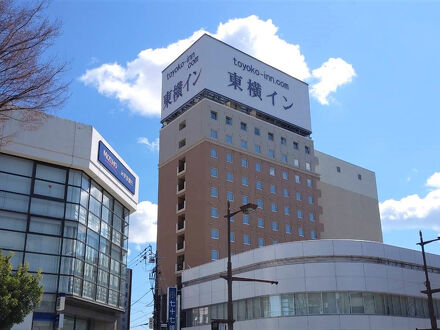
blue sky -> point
(383, 115)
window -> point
(260, 242)
(273, 189)
(274, 207)
(232, 219)
(313, 234)
(296, 162)
(182, 143)
(213, 153)
(243, 144)
(258, 167)
(307, 150)
(309, 182)
(214, 192)
(310, 199)
(311, 217)
(244, 200)
(301, 232)
(308, 168)
(295, 145)
(214, 115)
(260, 223)
(230, 196)
(288, 229)
(300, 214)
(285, 192)
(214, 172)
(246, 239)
(272, 171)
(274, 242)
(259, 203)
(228, 121)
(214, 254)
(286, 210)
(228, 139)
(274, 226)
(297, 179)
(214, 212)
(244, 181)
(243, 126)
(229, 177)
(259, 185)
(285, 175)
(359, 177)
(214, 233)
(232, 237)
(284, 158)
(338, 169)
(271, 153)
(244, 162)
(256, 131)
(245, 219)
(229, 158)
(298, 196)
(283, 141)
(258, 149)
(213, 134)
(270, 136)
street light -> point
(428, 290)
(245, 209)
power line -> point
(141, 297)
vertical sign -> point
(172, 308)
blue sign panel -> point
(114, 165)
(172, 308)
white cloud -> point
(332, 74)
(434, 180)
(143, 223)
(414, 211)
(138, 82)
(152, 145)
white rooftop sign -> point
(213, 65)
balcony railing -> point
(181, 187)
(180, 207)
(180, 247)
(181, 168)
(180, 226)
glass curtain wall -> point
(315, 303)
(60, 221)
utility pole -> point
(428, 290)
(156, 297)
(246, 209)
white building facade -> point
(322, 285)
(65, 201)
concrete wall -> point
(350, 206)
(66, 143)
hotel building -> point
(238, 130)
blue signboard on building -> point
(172, 308)
(114, 165)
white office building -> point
(65, 200)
